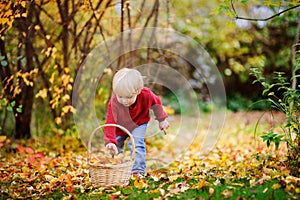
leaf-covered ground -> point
(239, 167)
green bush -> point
(288, 103)
(237, 102)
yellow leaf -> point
(24, 15)
(173, 177)
(66, 97)
(3, 20)
(140, 183)
(65, 110)
(200, 184)
(2, 138)
(23, 4)
(67, 70)
(51, 80)
(73, 110)
(58, 120)
(276, 186)
(252, 182)
(37, 27)
(68, 108)
(169, 110)
(42, 93)
(48, 177)
(34, 72)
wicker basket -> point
(106, 175)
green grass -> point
(239, 189)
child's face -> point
(126, 100)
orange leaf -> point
(29, 150)
(31, 159)
(70, 188)
(39, 155)
(20, 148)
(140, 183)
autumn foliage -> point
(44, 43)
(239, 167)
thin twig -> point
(120, 58)
(146, 23)
(261, 19)
(156, 6)
(131, 56)
(140, 13)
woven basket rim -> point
(109, 165)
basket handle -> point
(106, 125)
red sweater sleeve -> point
(110, 131)
(157, 108)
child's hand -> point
(163, 125)
(112, 147)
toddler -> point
(129, 107)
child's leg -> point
(140, 149)
(121, 140)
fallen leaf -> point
(29, 150)
(70, 188)
(2, 138)
(276, 186)
(227, 193)
(140, 183)
(175, 190)
(31, 159)
(265, 190)
(20, 148)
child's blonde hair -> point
(127, 82)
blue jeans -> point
(138, 134)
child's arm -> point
(163, 125)
(110, 131)
(159, 113)
(157, 107)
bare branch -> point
(261, 19)
(155, 8)
(131, 58)
(168, 13)
(140, 13)
(121, 36)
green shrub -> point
(237, 102)
(289, 104)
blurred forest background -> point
(44, 42)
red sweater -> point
(133, 116)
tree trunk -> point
(26, 96)
(23, 119)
